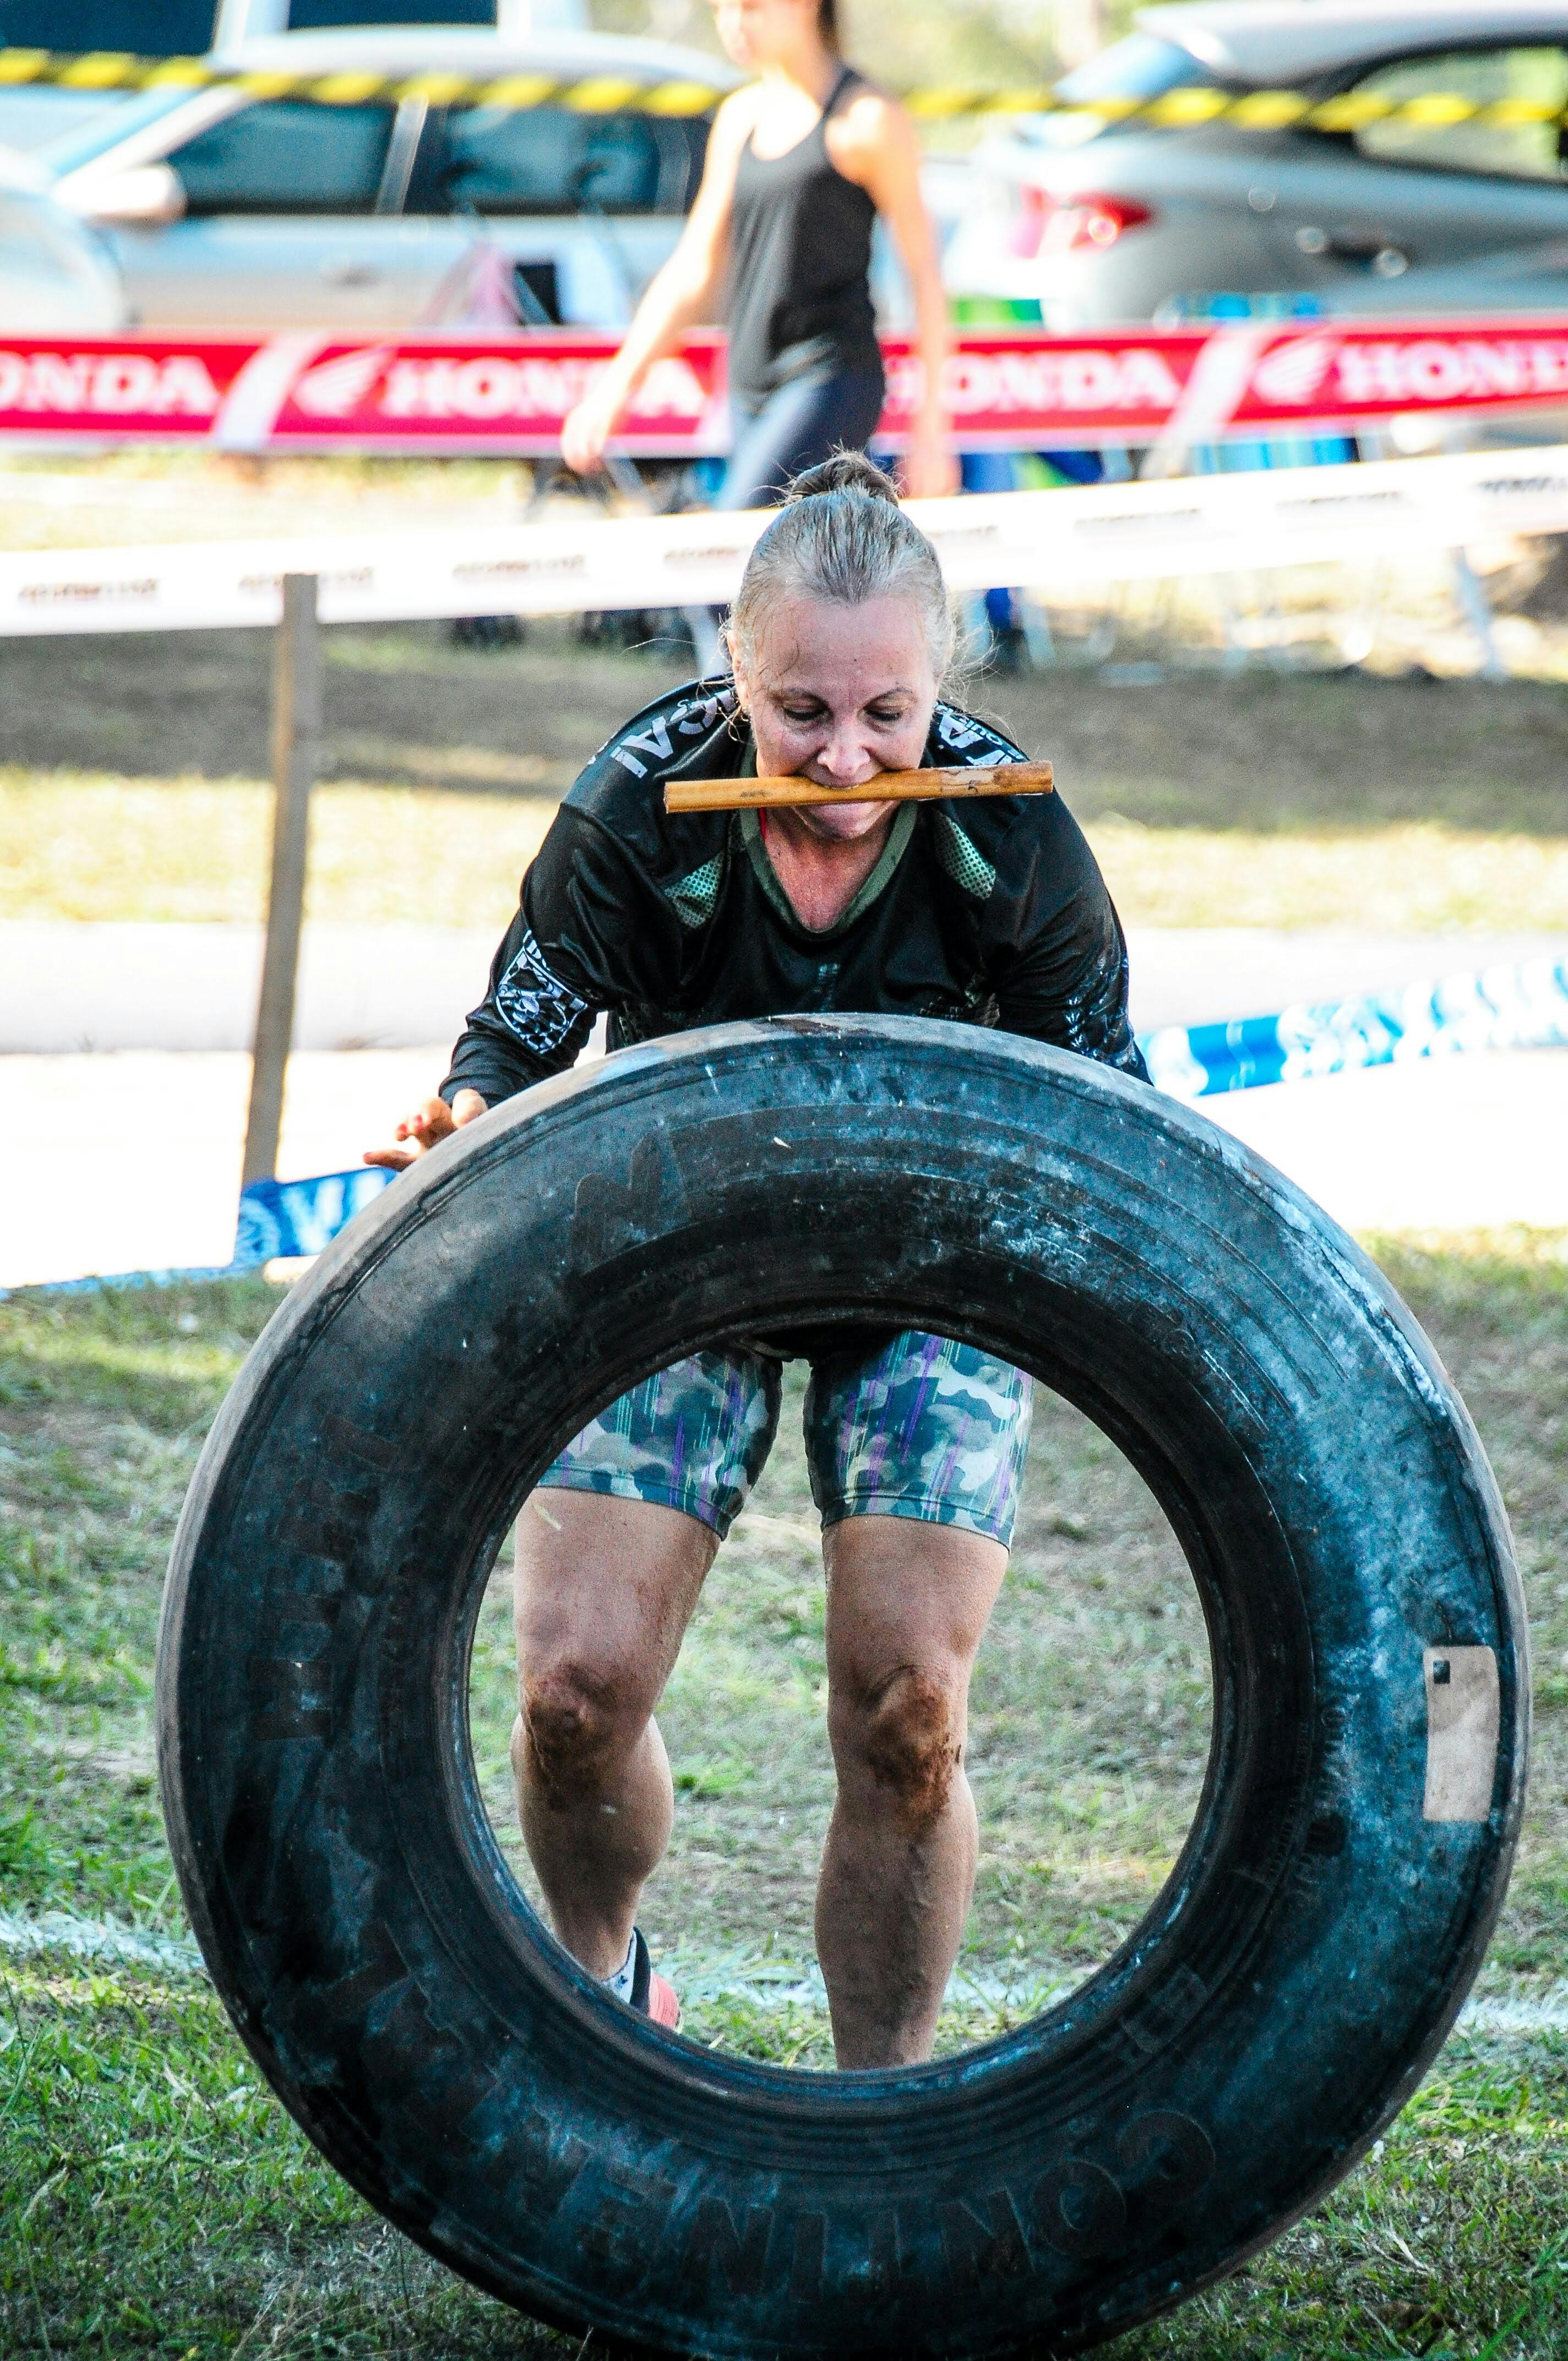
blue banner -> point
(1521, 1008)
(281, 1219)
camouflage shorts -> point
(921, 1428)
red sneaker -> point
(650, 1992)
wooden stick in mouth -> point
(887, 787)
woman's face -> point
(758, 33)
(837, 694)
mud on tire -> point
(1349, 1853)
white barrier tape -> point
(1099, 533)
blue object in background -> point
(1007, 471)
(281, 1219)
(1523, 1007)
(1280, 450)
(991, 471)
(1076, 466)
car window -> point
(1522, 93)
(547, 159)
(1143, 66)
(283, 156)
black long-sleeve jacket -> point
(991, 912)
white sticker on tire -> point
(1462, 1717)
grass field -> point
(131, 786)
(154, 2200)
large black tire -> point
(1349, 1854)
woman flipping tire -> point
(665, 921)
(1348, 1856)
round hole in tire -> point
(1087, 1723)
(1283, 1994)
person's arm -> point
(530, 1023)
(1056, 950)
(534, 1018)
(874, 142)
(679, 295)
(592, 931)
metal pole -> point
(1478, 614)
(296, 736)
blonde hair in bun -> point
(841, 536)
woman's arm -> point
(1052, 944)
(682, 292)
(873, 142)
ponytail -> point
(827, 24)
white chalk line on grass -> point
(1495, 2013)
(752, 1982)
(99, 1938)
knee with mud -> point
(904, 1737)
(576, 1730)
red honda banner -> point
(1007, 389)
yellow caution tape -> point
(1182, 108)
(595, 95)
(1283, 110)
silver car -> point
(1134, 223)
(227, 210)
(56, 277)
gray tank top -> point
(800, 244)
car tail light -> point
(1085, 225)
(1035, 209)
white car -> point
(56, 275)
(227, 210)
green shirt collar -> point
(887, 861)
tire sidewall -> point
(1314, 1941)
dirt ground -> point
(1083, 1804)
(1304, 751)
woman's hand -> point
(930, 471)
(588, 428)
(435, 1120)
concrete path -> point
(128, 1158)
(131, 1161)
(1463, 1143)
(1204, 975)
(67, 987)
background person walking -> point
(799, 165)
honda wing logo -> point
(1292, 374)
(336, 389)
